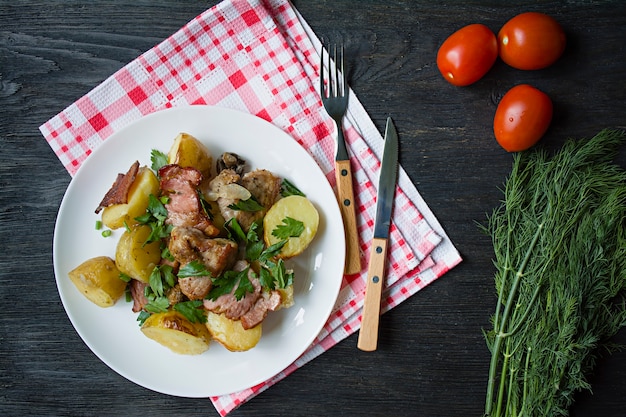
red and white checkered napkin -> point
(261, 57)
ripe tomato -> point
(467, 55)
(522, 117)
(531, 41)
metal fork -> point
(334, 94)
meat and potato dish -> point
(202, 249)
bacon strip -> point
(118, 193)
(184, 208)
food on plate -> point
(98, 280)
(531, 41)
(187, 151)
(132, 191)
(135, 256)
(467, 55)
(293, 218)
(559, 244)
(174, 331)
(522, 118)
(231, 333)
(195, 260)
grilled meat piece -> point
(252, 308)
(184, 207)
(262, 185)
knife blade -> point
(368, 335)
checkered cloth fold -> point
(261, 57)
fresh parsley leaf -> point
(250, 205)
(277, 275)
(192, 310)
(206, 206)
(224, 284)
(289, 228)
(194, 268)
(235, 231)
(142, 317)
(158, 159)
(255, 244)
(244, 286)
(158, 305)
(287, 189)
(266, 279)
(155, 216)
(156, 282)
(254, 250)
(271, 251)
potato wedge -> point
(231, 334)
(116, 215)
(174, 331)
(286, 295)
(98, 279)
(295, 207)
(187, 151)
(134, 257)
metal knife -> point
(368, 335)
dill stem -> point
(500, 327)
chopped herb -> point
(194, 268)
(98, 224)
(161, 279)
(155, 217)
(225, 283)
(192, 310)
(289, 228)
(142, 317)
(287, 189)
(206, 206)
(272, 250)
(106, 233)
(158, 305)
(235, 231)
(249, 205)
(280, 276)
(124, 277)
(158, 159)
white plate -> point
(113, 334)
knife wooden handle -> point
(368, 335)
(347, 204)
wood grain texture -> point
(368, 333)
(347, 205)
(431, 358)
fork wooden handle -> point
(347, 204)
(368, 335)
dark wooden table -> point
(432, 360)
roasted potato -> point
(116, 215)
(176, 332)
(231, 334)
(295, 207)
(187, 151)
(286, 295)
(134, 257)
(98, 279)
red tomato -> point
(467, 55)
(522, 117)
(531, 41)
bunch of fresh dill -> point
(560, 257)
